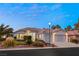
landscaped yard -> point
(10, 42)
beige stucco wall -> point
(39, 36)
(27, 33)
(53, 38)
(42, 37)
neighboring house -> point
(74, 34)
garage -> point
(60, 36)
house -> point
(33, 32)
(44, 35)
(60, 36)
(56, 35)
(73, 34)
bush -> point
(9, 42)
(53, 45)
(39, 43)
(29, 40)
(74, 41)
(12, 43)
(2, 39)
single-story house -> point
(56, 35)
(33, 32)
(73, 34)
(60, 36)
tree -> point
(5, 30)
(76, 26)
(25, 38)
(28, 39)
(56, 27)
(68, 28)
(53, 27)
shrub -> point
(38, 43)
(12, 43)
(9, 42)
(53, 45)
(29, 40)
(74, 41)
(2, 39)
(25, 38)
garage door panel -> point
(60, 38)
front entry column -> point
(66, 37)
(53, 40)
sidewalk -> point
(66, 44)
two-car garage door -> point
(60, 37)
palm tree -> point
(68, 28)
(5, 30)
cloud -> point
(56, 7)
(60, 16)
(36, 10)
(34, 7)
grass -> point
(20, 43)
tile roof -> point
(25, 29)
(73, 32)
(38, 30)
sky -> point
(38, 15)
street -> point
(73, 51)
